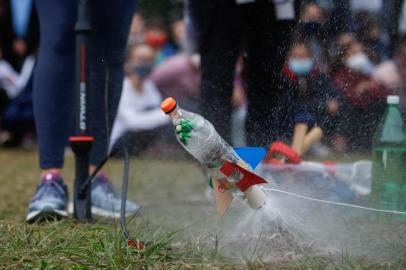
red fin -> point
(249, 179)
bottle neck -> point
(176, 114)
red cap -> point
(168, 105)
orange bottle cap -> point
(168, 105)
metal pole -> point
(81, 143)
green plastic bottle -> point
(389, 160)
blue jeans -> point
(54, 89)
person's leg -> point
(268, 40)
(299, 135)
(110, 21)
(313, 136)
(219, 48)
(53, 104)
(53, 94)
(107, 46)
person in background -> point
(345, 39)
(20, 31)
(337, 47)
(157, 38)
(177, 40)
(369, 34)
(312, 29)
(179, 77)
(392, 74)
(13, 82)
(16, 115)
(179, 33)
(137, 29)
(393, 21)
(54, 100)
(313, 104)
(239, 103)
(139, 115)
(262, 30)
(365, 97)
(7, 78)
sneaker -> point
(49, 201)
(106, 201)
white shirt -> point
(12, 82)
(8, 78)
(138, 110)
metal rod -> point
(82, 143)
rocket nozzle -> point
(255, 197)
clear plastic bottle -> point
(210, 149)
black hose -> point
(99, 167)
(124, 191)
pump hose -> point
(124, 192)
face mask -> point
(142, 70)
(360, 62)
(300, 66)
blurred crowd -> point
(341, 73)
(19, 37)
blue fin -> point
(252, 155)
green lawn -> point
(177, 219)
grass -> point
(169, 190)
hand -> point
(20, 47)
(183, 129)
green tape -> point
(210, 182)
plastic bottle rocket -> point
(201, 140)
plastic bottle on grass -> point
(389, 160)
(201, 140)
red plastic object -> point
(279, 148)
(81, 139)
(136, 244)
(154, 39)
(249, 179)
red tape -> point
(136, 244)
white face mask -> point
(360, 62)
